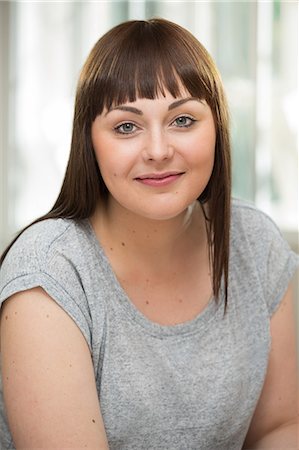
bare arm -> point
(48, 379)
(275, 422)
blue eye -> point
(183, 122)
(125, 128)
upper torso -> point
(192, 385)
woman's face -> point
(155, 156)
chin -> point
(162, 214)
(156, 209)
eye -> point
(125, 128)
(183, 122)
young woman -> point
(147, 310)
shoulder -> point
(49, 254)
(41, 242)
(260, 255)
(256, 230)
(247, 218)
(55, 255)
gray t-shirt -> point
(190, 386)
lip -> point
(158, 178)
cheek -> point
(105, 157)
(115, 159)
(113, 169)
(203, 154)
(105, 154)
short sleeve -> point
(43, 257)
(281, 263)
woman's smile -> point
(159, 179)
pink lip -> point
(159, 179)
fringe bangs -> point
(142, 66)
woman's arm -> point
(48, 378)
(275, 421)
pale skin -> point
(46, 364)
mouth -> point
(159, 179)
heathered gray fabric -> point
(191, 386)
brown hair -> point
(140, 59)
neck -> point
(116, 226)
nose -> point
(157, 147)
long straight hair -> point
(142, 59)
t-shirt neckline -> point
(194, 325)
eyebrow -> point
(140, 113)
(126, 108)
(181, 102)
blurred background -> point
(44, 44)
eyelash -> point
(117, 129)
(192, 121)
